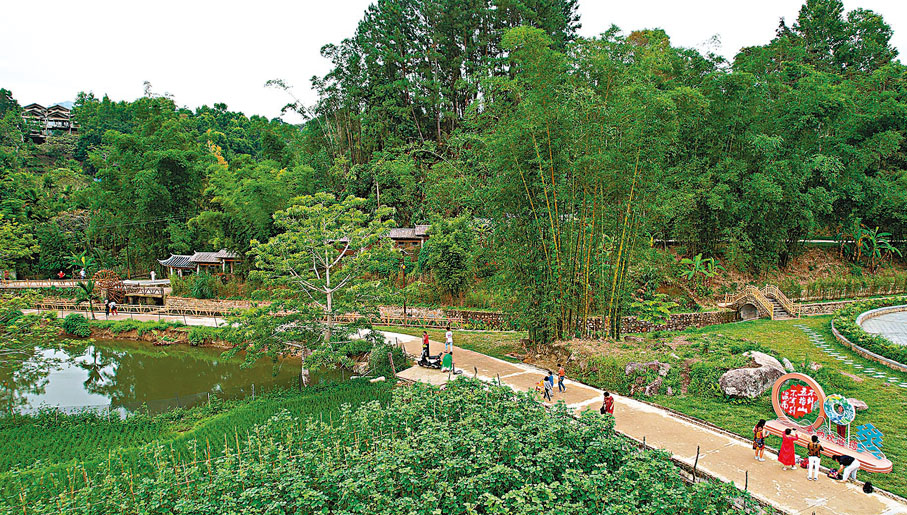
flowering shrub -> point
(845, 322)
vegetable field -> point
(471, 448)
(40, 454)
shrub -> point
(203, 335)
(379, 364)
(76, 325)
(204, 286)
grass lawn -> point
(887, 402)
(492, 343)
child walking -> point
(786, 455)
(814, 452)
(548, 386)
(759, 440)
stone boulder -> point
(858, 404)
(633, 367)
(639, 384)
(787, 365)
(752, 382)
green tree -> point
(449, 254)
(322, 251)
(18, 243)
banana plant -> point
(694, 266)
(879, 247)
(86, 293)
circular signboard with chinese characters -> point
(793, 402)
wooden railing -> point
(39, 283)
(754, 294)
(770, 290)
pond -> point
(126, 375)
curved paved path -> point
(720, 455)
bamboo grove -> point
(576, 155)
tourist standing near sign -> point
(814, 452)
(786, 455)
(448, 340)
(759, 440)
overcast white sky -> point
(205, 51)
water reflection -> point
(125, 375)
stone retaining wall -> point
(630, 324)
(823, 308)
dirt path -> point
(720, 455)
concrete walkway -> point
(144, 317)
(720, 455)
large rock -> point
(752, 382)
(634, 367)
(638, 385)
(858, 404)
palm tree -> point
(86, 293)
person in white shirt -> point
(448, 341)
(152, 275)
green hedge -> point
(845, 321)
(76, 325)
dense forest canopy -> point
(563, 157)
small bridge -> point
(769, 302)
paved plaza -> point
(892, 326)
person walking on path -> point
(786, 455)
(82, 274)
(549, 386)
(425, 347)
(849, 467)
(561, 374)
(113, 307)
(153, 276)
(607, 404)
(448, 340)
(759, 440)
(814, 456)
(106, 308)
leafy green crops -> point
(471, 448)
(39, 454)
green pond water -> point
(124, 376)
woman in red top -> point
(607, 404)
(786, 455)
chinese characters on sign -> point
(870, 440)
(798, 401)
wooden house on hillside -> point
(47, 121)
(409, 239)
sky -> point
(203, 52)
